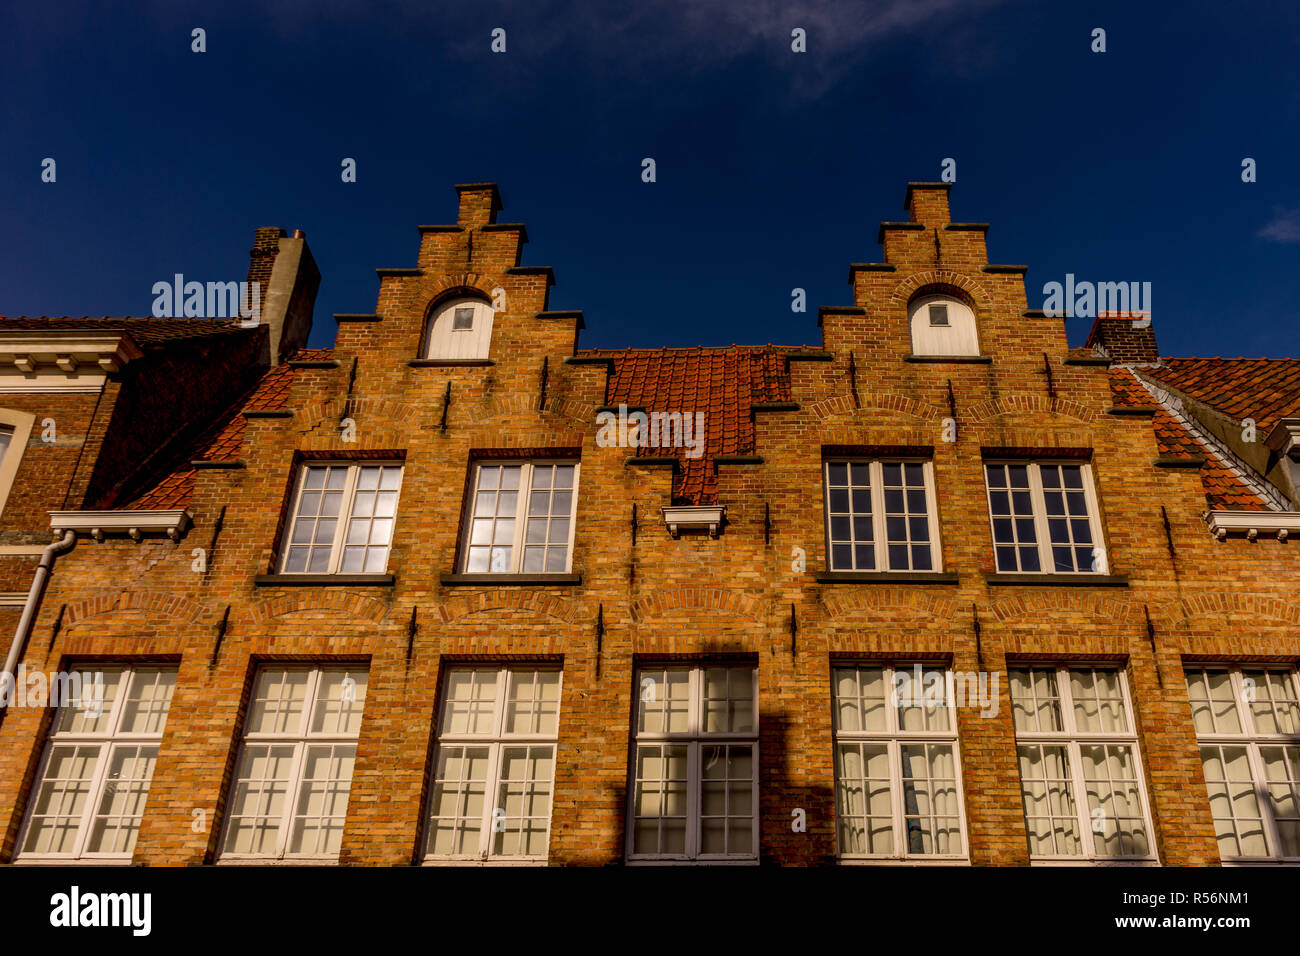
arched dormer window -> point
(942, 325)
(458, 329)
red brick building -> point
(940, 589)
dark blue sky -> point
(774, 169)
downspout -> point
(7, 680)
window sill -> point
(963, 359)
(1060, 580)
(319, 580)
(450, 363)
(510, 580)
(886, 577)
(903, 861)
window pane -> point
(92, 699)
(860, 699)
(340, 701)
(60, 800)
(257, 799)
(470, 701)
(664, 706)
(659, 799)
(279, 700)
(1050, 819)
(1214, 706)
(931, 814)
(323, 800)
(728, 700)
(906, 511)
(533, 704)
(848, 500)
(460, 785)
(865, 809)
(1035, 702)
(1098, 701)
(145, 709)
(1230, 786)
(121, 806)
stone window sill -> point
(510, 580)
(1060, 580)
(326, 580)
(886, 577)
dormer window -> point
(942, 325)
(459, 330)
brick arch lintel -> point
(907, 287)
(718, 600)
(1032, 605)
(509, 599)
(313, 415)
(500, 405)
(448, 286)
(1028, 404)
(932, 605)
(166, 603)
(353, 605)
(881, 401)
(1234, 604)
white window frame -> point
(108, 742)
(344, 519)
(19, 425)
(301, 740)
(1073, 740)
(521, 513)
(1046, 562)
(879, 524)
(1251, 740)
(496, 741)
(894, 738)
(696, 739)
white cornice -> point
(677, 517)
(37, 353)
(1253, 523)
(171, 522)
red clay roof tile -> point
(722, 383)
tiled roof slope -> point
(723, 383)
(1223, 489)
(1262, 389)
(146, 331)
(223, 440)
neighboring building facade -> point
(420, 598)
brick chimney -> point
(927, 203)
(289, 278)
(479, 203)
(1125, 339)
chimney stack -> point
(289, 280)
(1125, 338)
(479, 203)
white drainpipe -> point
(29, 613)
